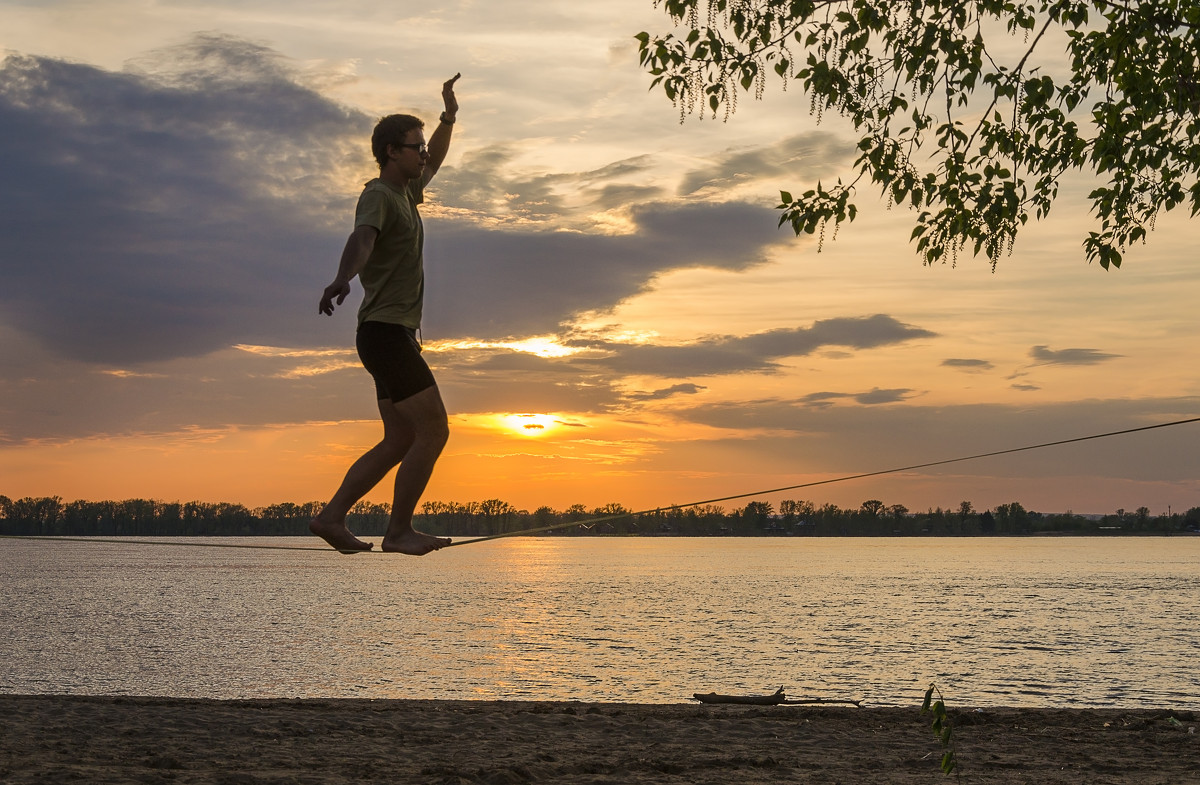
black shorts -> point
(392, 356)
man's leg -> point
(365, 474)
(424, 417)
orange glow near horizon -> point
(635, 464)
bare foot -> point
(337, 535)
(414, 543)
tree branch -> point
(1016, 72)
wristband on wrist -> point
(446, 120)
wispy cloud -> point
(1044, 355)
(492, 182)
(968, 364)
(877, 396)
(666, 392)
(809, 156)
(869, 398)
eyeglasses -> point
(420, 147)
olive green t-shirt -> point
(393, 278)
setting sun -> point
(530, 424)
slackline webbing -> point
(606, 518)
(173, 543)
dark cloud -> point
(968, 365)
(753, 353)
(1044, 355)
(170, 209)
(487, 283)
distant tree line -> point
(51, 516)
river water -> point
(1048, 622)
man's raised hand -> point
(448, 96)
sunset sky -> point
(611, 312)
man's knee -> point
(436, 429)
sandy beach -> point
(62, 739)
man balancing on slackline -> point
(384, 251)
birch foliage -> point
(969, 112)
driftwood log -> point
(779, 697)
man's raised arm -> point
(439, 142)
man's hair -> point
(392, 129)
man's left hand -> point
(448, 96)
